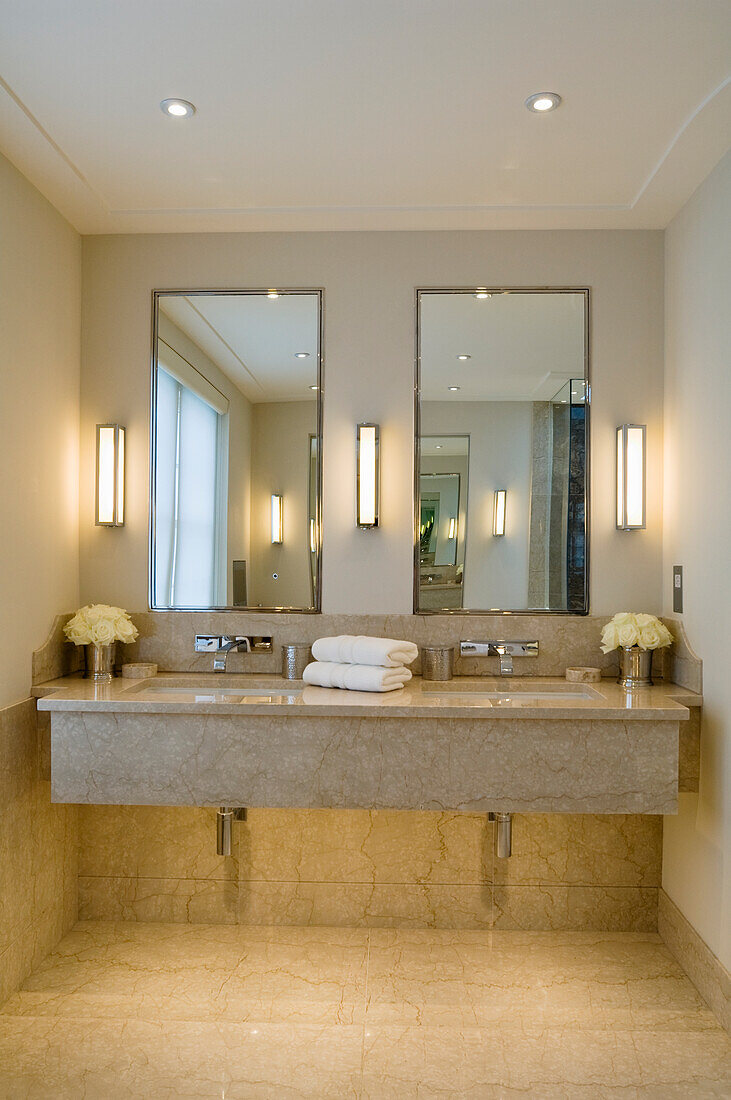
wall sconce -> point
(452, 528)
(277, 519)
(631, 477)
(498, 512)
(368, 474)
(109, 475)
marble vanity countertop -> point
(462, 697)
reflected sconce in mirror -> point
(368, 475)
(313, 537)
(631, 477)
(498, 512)
(277, 519)
(109, 475)
(452, 529)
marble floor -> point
(178, 1012)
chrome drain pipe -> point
(225, 817)
(503, 835)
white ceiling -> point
(254, 339)
(522, 346)
(340, 114)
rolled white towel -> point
(329, 674)
(358, 649)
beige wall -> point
(697, 521)
(280, 463)
(369, 281)
(501, 444)
(40, 296)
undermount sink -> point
(213, 693)
(521, 690)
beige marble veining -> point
(469, 764)
(56, 656)
(38, 852)
(583, 850)
(133, 1011)
(707, 972)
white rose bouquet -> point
(100, 624)
(629, 629)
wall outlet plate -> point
(678, 589)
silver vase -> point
(100, 662)
(635, 667)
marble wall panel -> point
(38, 853)
(362, 868)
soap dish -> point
(139, 670)
(583, 675)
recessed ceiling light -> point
(452, 389)
(272, 294)
(302, 355)
(178, 108)
(543, 101)
(438, 446)
(314, 387)
(482, 293)
(463, 357)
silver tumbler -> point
(295, 659)
(437, 662)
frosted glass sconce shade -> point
(498, 512)
(452, 528)
(109, 475)
(368, 474)
(277, 519)
(631, 477)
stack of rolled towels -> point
(359, 663)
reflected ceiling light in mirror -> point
(177, 108)
(631, 440)
(542, 102)
(452, 389)
(463, 357)
(314, 388)
(110, 475)
(302, 355)
(482, 293)
(368, 474)
(277, 519)
(498, 512)
(273, 294)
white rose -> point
(649, 637)
(103, 632)
(645, 620)
(623, 617)
(627, 634)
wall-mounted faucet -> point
(502, 649)
(222, 644)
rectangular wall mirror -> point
(502, 445)
(236, 450)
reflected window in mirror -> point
(236, 423)
(502, 408)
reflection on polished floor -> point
(228, 1012)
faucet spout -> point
(221, 655)
(506, 660)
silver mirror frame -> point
(237, 292)
(586, 293)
